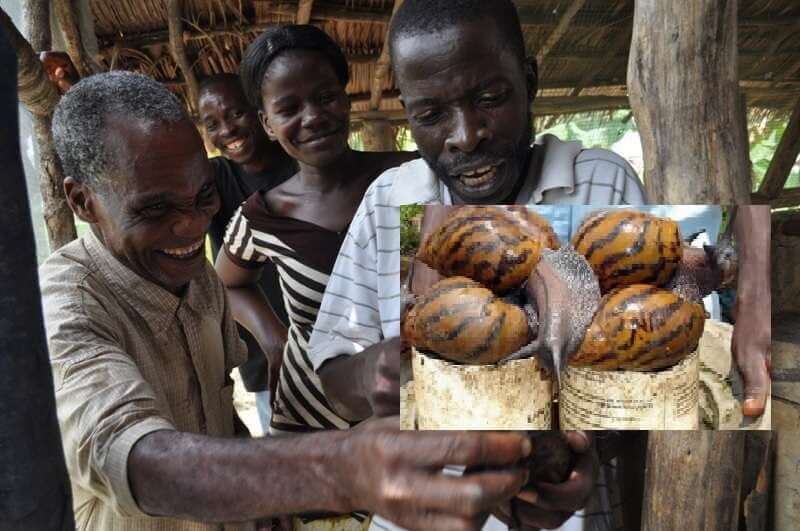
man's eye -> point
(211, 127)
(492, 99)
(154, 210)
(238, 114)
(429, 117)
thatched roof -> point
(584, 68)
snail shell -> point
(642, 328)
(626, 247)
(464, 322)
(485, 244)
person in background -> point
(248, 161)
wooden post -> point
(693, 480)
(34, 485)
(66, 14)
(377, 134)
(304, 8)
(40, 97)
(784, 158)
(174, 18)
(382, 66)
(683, 89)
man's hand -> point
(60, 70)
(381, 379)
(398, 474)
(549, 505)
(751, 340)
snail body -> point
(485, 244)
(640, 327)
(464, 322)
(626, 247)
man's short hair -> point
(80, 120)
(218, 79)
(278, 39)
(418, 17)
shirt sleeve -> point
(361, 305)
(103, 402)
(239, 242)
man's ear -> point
(265, 124)
(81, 200)
(531, 77)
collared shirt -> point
(130, 358)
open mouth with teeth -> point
(480, 178)
(183, 253)
(235, 147)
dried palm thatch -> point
(583, 52)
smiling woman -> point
(296, 76)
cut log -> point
(683, 88)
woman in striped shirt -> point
(296, 76)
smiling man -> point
(142, 340)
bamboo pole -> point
(683, 89)
(175, 21)
(34, 484)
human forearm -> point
(252, 310)
(211, 479)
(752, 231)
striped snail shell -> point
(484, 244)
(641, 328)
(534, 225)
(626, 247)
(464, 322)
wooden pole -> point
(784, 158)
(693, 480)
(34, 485)
(66, 14)
(683, 89)
(175, 21)
(377, 134)
(559, 31)
(382, 66)
(41, 97)
(304, 8)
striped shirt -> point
(304, 254)
(361, 306)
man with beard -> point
(467, 88)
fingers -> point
(579, 441)
(573, 493)
(436, 449)
(466, 496)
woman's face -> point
(305, 107)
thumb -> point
(756, 387)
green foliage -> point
(409, 235)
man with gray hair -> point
(142, 341)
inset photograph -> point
(578, 317)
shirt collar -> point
(157, 305)
(552, 167)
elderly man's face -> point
(155, 216)
(467, 103)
